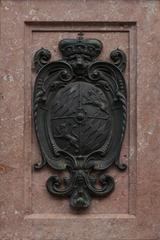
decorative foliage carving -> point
(79, 110)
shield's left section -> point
(62, 114)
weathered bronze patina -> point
(79, 109)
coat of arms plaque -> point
(79, 110)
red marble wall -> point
(27, 211)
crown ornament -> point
(89, 47)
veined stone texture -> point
(27, 211)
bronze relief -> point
(79, 109)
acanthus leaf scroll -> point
(80, 112)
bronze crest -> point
(79, 109)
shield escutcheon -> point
(80, 118)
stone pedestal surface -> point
(27, 211)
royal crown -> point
(90, 47)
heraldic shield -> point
(79, 109)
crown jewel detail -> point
(90, 47)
